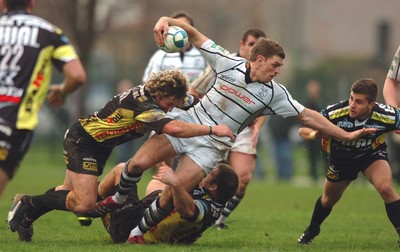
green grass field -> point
(270, 218)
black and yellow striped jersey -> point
(127, 116)
(29, 46)
(384, 118)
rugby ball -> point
(176, 39)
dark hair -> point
(227, 183)
(267, 48)
(17, 4)
(257, 33)
(366, 86)
(180, 14)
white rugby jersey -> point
(394, 69)
(234, 100)
(190, 63)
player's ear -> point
(212, 187)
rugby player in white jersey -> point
(243, 154)
(188, 61)
(243, 91)
(392, 83)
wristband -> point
(210, 133)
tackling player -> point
(89, 142)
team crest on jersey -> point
(345, 124)
(262, 92)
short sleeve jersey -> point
(29, 46)
(178, 229)
(384, 118)
(127, 116)
(394, 69)
(189, 62)
(234, 99)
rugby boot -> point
(308, 235)
(137, 239)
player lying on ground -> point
(194, 212)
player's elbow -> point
(174, 129)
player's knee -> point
(244, 181)
(387, 192)
(137, 165)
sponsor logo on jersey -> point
(332, 174)
(90, 166)
(237, 93)
(106, 133)
(24, 35)
(359, 143)
(114, 118)
(227, 78)
(345, 124)
(11, 94)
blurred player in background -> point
(347, 158)
(30, 47)
(392, 82)
(243, 154)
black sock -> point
(393, 212)
(41, 204)
(50, 190)
(153, 215)
(128, 181)
(319, 215)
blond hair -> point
(168, 83)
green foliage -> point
(270, 218)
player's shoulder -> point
(36, 21)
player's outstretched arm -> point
(184, 130)
(315, 120)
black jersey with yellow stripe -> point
(178, 229)
(384, 118)
(29, 45)
(127, 116)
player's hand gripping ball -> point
(176, 39)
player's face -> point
(208, 181)
(245, 46)
(359, 106)
(168, 103)
(267, 68)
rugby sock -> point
(230, 206)
(127, 183)
(153, 215)
(319, 215)
(41, 204)
(51, 190)
(393, 212)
